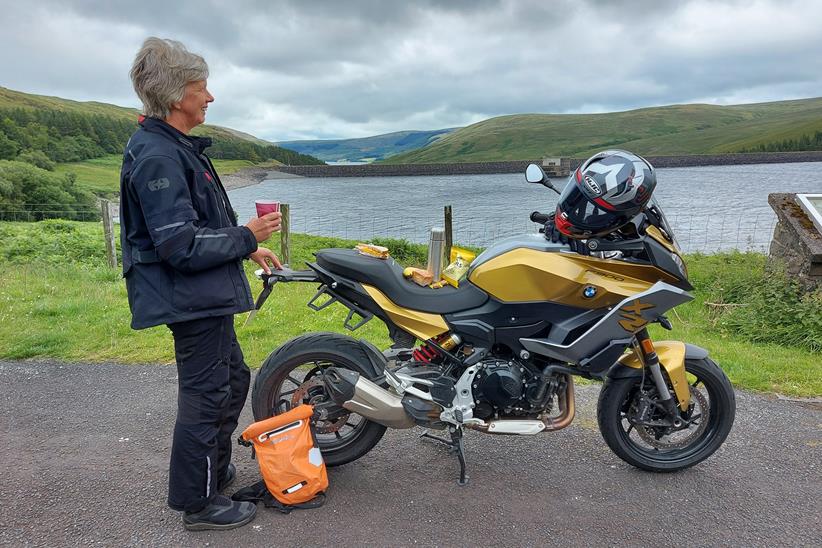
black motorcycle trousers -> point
(213, 384)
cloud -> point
(289, 70)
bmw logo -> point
(589, 292)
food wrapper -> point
(460, 262)
(467, 256)
(372, 250)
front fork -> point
(646, 352)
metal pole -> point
(108, 233)
(285, 235)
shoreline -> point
(249, 176)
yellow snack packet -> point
(467, 256)
(460, 262)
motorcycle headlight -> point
(680, 264)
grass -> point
(102, 175)
(59, 300)
(98, 175)
(668, 130)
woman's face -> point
(195, 102)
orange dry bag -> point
(290, 461)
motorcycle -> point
(498, 353)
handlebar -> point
(540, 218)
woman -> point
(183, 265)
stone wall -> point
(796, 242)
(518, 166)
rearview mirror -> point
(534, 174)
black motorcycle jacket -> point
(182, 248)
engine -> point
(508, 388)
(501, 388)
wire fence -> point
(694, 233)
(32, 212)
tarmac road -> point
(84, 458)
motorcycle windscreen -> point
(579, 217)
(663, 223)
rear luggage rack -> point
(270, 280)
(287, 275)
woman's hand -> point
(263, 227)
(265, 256)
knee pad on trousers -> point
(206, 406)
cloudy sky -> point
(308, 69)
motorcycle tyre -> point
(722, 409)
(344, 352)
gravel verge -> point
(85, 451)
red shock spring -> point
(425, 353)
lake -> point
(711, 208)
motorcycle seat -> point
(386, 275)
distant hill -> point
(68, 131)
(669, 130)
(366, 149)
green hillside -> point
(101, 176)
(70, 131)
(657, 131)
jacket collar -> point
(196, 144)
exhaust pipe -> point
(355, 393)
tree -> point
(43, 194)
(37, 158)
(8, 148)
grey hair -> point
(160, 72)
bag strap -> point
(271, 502)
(253, 493)
(258, 492)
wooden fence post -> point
(449, 237)
(108, 233)
(285, 235)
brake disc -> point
(312, 392)
(648, 433)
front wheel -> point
(292, 375)
(635, 428)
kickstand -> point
(456, 440)
(454, 446)
(444, 441)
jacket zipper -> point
(216, 185)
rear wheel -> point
(634, 424)
(292, 375)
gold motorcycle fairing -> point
(529, 275)
(422, 325)
(672, 358)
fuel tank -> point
(531, 269)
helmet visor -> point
(579, 217)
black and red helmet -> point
(604, 193)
